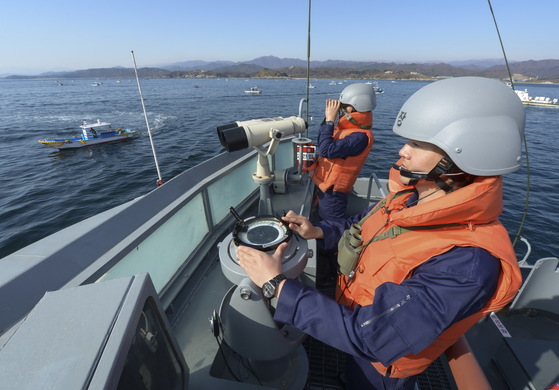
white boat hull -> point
(538, 101)
(80, 142)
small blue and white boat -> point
(92, 134)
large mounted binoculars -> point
(256, 132)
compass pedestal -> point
(272, 353)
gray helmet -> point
(361, 96)
(478, 122)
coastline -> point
(532, 72)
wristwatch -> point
(329, 123)
(269, 288)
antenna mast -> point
(160, 181)
(308, 63)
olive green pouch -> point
(351, 244)
(349, 248)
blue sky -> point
(45, 35)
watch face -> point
(268, 290)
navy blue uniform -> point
(444, 290)
(331, 204)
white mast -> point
(160, 181)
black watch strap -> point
(278, 279)
(269, 288)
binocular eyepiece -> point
(242, 135)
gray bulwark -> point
(81, 337)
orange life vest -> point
(465, 217)
(341, 173)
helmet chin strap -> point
(348, 116)
(442, 167)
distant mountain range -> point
(270, 66)
(272, 62)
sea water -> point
(45, 190)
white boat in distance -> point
(378, 90)
(92, 134)
(253, 91)
(540, 101)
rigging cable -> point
(160, 181)
(517, 236)
(308, 64)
